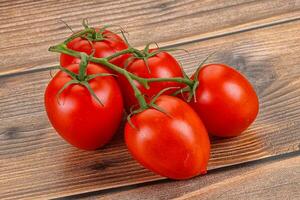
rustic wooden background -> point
(261, 38)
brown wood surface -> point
(35, 162)
(28, 28)
(265, 179)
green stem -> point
(140, 97)
(125, 51)
(183, 90)
(62, 48)
(139, 53)
(82, 66)
(128, 75)
(185, 81)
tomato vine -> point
(92, 34)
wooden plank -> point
(277, 179)
(28, 28)
(35, 162)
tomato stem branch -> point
(62, 48)
(83, 65)
(137, 92)
(174, 79)
(125, 51)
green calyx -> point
(151, 104)
(145, 54)
(191, 89)
(95, 35)
(88, 33)
(82, 78)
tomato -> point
(225, 100)
(111, 44)
(174, 145)
(161, 65)
(77, 116)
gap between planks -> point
(138, 189)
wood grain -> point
(35, 162)
(276, 179)
(28, 28)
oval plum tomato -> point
(161, 65)
(111, 44)
(225, 100)
(174, 145)
(77, 116)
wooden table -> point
(261, 38)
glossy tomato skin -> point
(162, 65)
(226, 101)
(77, 116)
(110, 45)
(175, 146)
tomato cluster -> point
(169, 115)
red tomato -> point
(162, 65)
(225, 101)
(174, 145)
(110, 45)
(77, 116)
